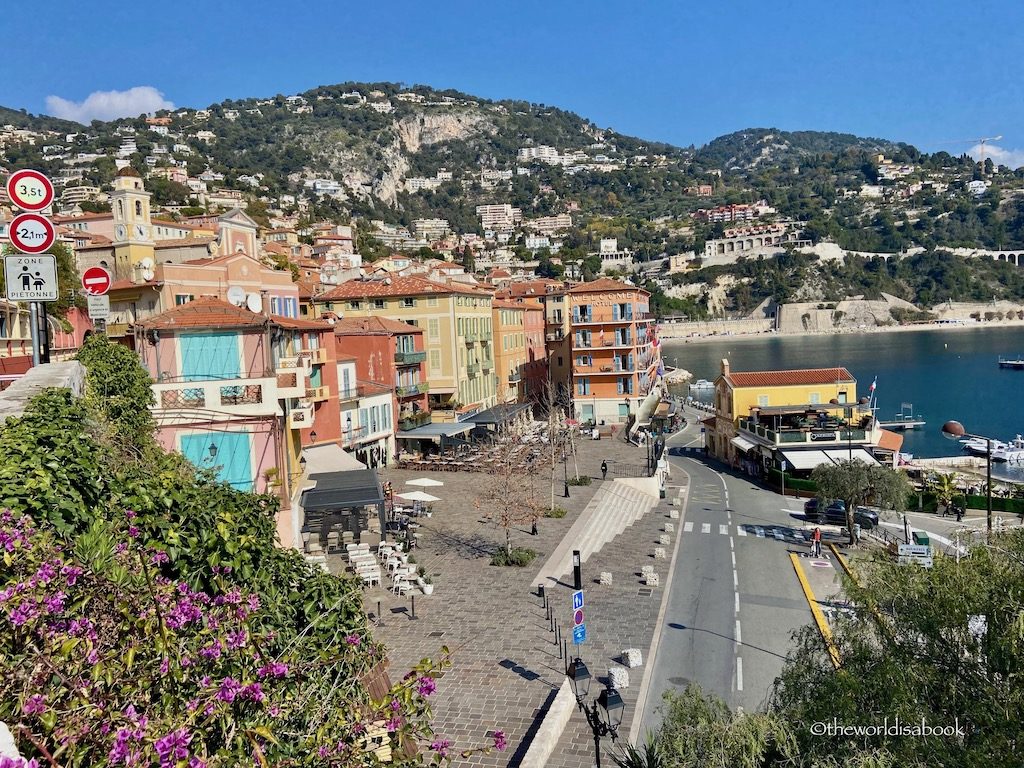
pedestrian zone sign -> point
(31, 278)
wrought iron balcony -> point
(409, 358)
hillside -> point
(760, 147)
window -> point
(432, 301)
(275, 305)
(378, 304)
(762, 400)
(355, 305)
(408, 303)
(582, 360)
(182, 298)
(560, 360)
(291, 307)
(435, 361)
(583, 386)
(815, 398)
(138, 208)
(434, 329)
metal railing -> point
(409, 358)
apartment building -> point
(510, 358)
(615, 356)
(499, 217)
(457, 326)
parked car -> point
(835, 514)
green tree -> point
(857, 483)
(119, 389)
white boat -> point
(977, 446)
(1012, 452)
(702, 385)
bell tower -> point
(133, 227)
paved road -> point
(734, 598)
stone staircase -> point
(615, 507)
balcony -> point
(556, 335)
(472, 338)
(413, 390)
(515, 377)
(411, 421)
(487, 365)
(473, 369)
(301, 417)
(314, 356)
(409, 358)
(352, 435)
(835, 436)
(317, 394)
(228, 397)
(602, 319)
(612, 343)
(291, 384)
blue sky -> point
(684, 72)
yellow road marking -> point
(819, 617)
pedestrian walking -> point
(959, 513)
(604, 470)
(533, 530)
(816, 543)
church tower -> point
(133, 227)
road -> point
(734, 598)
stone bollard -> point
(618, 678)
(632, 657)
(673, 514)
(606, 578)
(651, 580)
(664, 539)
(670, 528)
(659, 553)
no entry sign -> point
(30, 190)
(96, 281)
(32, 233)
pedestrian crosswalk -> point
(777, 532)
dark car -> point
(835, 514)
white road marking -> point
(739, 637)
(735, 579)
(737, 594)
(739, 674)
(705, 528)
(733, 559)
(688, 526)
(741, 531)
(723, 530)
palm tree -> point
(647, 756)
(943, 486)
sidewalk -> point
(506, 666)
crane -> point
(980, 142)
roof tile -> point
(789, 378)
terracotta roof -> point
(398, 286)
(369, 326)
(602, 285)
(205, 312)
(507, 304)
(82, 217)
(183, 242)
(498, 272)
(308, 288)
(300, 323)
(537, 287)
(128, 171)
(890, 441)
(122, 285)
(789, 378)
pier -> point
(1016, 364)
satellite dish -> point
(147, 274)
(212, 247)
(254, 302)
(146, 263)
(236, 295)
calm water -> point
(946, 375)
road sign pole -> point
(33, 320)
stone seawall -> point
(745, 326)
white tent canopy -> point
(417, 496)
(425, 482)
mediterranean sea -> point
(945, 374)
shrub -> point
(519, 557)
(557, 512)
(580, 480)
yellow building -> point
(510, 353)
(133, 227)
(457, 333)
(804, 418)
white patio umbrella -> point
(417, 496)
(425, 482)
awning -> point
(330, 457)
(805, 459)
(336, 491)
(436, 430)
(857, 454)
(499, 414)
(742, 443)
(890, 441)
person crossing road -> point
(816, 543)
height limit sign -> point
(31, 278)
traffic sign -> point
(579, 634)
(99, 307)
(32, 233)
(96, 281)
(577, 617)
(914, 550)
(30, 190)
(577, 600)
(31, 278)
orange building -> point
(615, 356)
(508, 323)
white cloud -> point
(1011, 158)
(109, 105)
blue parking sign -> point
(579, 634)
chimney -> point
(725, 366)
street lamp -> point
(604, 714)
(565, 466)
(954, 430)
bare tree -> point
(509, 497)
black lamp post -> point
(604, 714)
(954, 430)
(565, 467)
